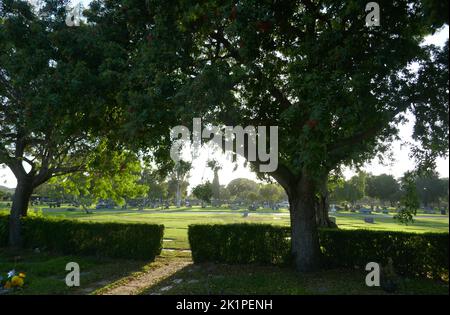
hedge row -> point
(116, 240)
(413, 254)
(239, 243)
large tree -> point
(56, 109)
(337, 89)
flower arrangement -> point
(12, 280)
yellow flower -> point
(17, 281)
(8, 285)
(22, 275)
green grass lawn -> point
(176, 221)
(45, 272)
(256, 280)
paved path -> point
(164, 268)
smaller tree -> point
(409, 201)
(240, 188)
(179, 175)
(156, 186)
(252, 197)
(224, 193)
(204, 192)
(271, 193)
(215, 167)
(430, 188)
(352, 190)
(383, 187)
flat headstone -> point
(369, 220)
(167, 288)
(193, 281)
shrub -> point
(413, 254)
(239, 243)
(117, 240)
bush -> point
(413, 254)
(117, 240)
(239, 243)
(424, 255)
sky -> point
(397, 166)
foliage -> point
(431, 189)
(172, 188)
(337, 89)
(422, 255)
(351, 190)
(409, 202)
(204, 192)
(55, 92)
(118, 180)
(429, 98)
(271, 193)
(239, 243)
(117, 240)
(240, 188)
(157, 188)
(384, 187)
(215, 167)
(178, 180)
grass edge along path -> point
(164, 266)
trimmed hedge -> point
(413, 254)
(239, 243)
(116, 240)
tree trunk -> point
(322, 207)
(304, 234)
(19, 209)
(178, 193)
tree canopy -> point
(337, 89)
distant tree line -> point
(386, 190)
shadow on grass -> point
(45, 272)
(216, 279)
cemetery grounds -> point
(174, 273)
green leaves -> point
(410, 201)
(111, 175)
(204, 192)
